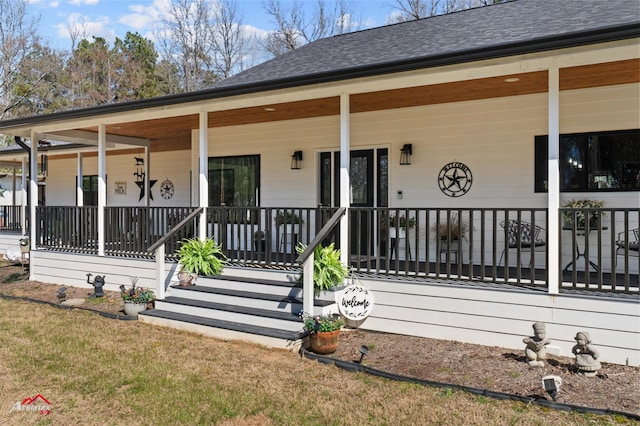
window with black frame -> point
(234, 181)
(592, 162)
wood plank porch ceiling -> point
(174, 133)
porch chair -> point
(520, 235)
(625, 239)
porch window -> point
(592, 162)
(234, 181)
(89, 190)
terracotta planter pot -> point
(324, 342)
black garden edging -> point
(539, 400)
(57, 305)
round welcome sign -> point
(355, 303)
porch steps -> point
(242, 304)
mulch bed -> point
(615, 388)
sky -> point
(113, 18)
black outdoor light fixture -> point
(296, 159)
(405, 154)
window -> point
(595, 161)
(89, 190)
(234, 181)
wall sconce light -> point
(405, 154)
(296, 158)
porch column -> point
(203, 183)
(23, 199)
(102, 185)
(79, 193)
(33, 188)
(147, 172)
(553, 184)
(345, 181)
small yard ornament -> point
(586, 357)
(97, 284)
(535, 350)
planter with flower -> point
(449, 231)
(324, 331)
(398, 225)
(578, 212)
(136, 299)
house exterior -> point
(487, 117)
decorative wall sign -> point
(355, 303)
(455, 179)
(139, 174)
(121, 188)
(166, 189)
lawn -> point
(99, 371)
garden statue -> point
(586, 357)
(97, 284)
(535, 351)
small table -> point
(581, 232)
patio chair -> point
(625, 240)
(521, 235)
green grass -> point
(98, 371)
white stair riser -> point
(242, 301)
(230, 316)
(258, 273)
(252, 287)
(219, 333)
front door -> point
(368, 170)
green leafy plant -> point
(202, 257)
(323, 323)
(328, 269)
(454, 228)
(580, 215)
(401, 221)
(287, 217)
(136, 294)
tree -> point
(294, 28)
(186, 42)
(229, 43)
(18, 36)
(410, 10)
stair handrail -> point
(175, 229)
(159, 248)
(306, 258)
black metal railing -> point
(267, 235)
(507, 246)
(73, 229)
(11, 218)
(132, 230)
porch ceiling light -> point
(405, 154)
(511, 79)
(296, 159)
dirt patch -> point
(496, 369)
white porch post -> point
(553, 184)
(79, 193)
(23, 200)
(33, 188)
(203, 184)
(147, 172)
(345, 181)
(102, 185)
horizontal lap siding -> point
(500, 317)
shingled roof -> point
(512, 28)
(515, 27)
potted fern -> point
(328, 269)
(199, 257)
